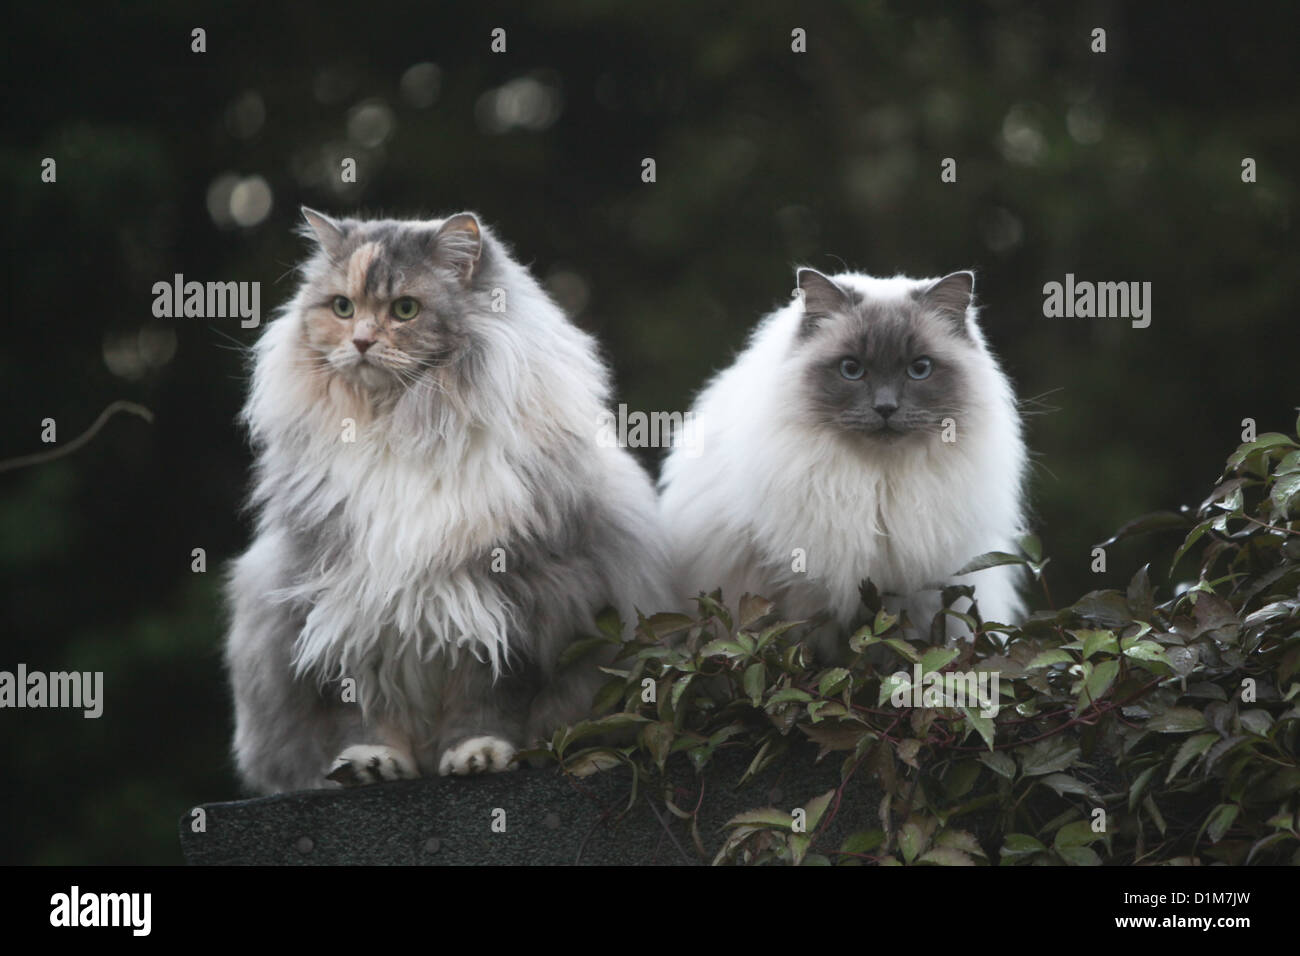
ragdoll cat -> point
(866, 431)
(436, 520)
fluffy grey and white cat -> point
(865, 431)
(436, 520)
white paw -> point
(371, 763)
(478, 755)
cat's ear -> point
(459, 244)
(951, 297)
(327, 232)
(821, 297)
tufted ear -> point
(951, 297)
(326, 231)
(821, 297)
(459, 245)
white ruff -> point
(418, 509)
(905, 515)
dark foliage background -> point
(1117, 166)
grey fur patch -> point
(886, 339)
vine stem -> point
(23, 461)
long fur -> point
(377, 559)
(764, 490)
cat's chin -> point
(880, 431)
(888, 435)
(375, 378)
(371, 376)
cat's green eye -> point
(405, 308)
(852, 369)
(921, 368)
(343, 307)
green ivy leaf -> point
(1078, 833)
(1177, 720)
(755, 682)
(1098, 682)
(1049, 756)
(904, 648)
(816, 809)
(1138, 787)
(658, 739)
(665, 625)
(1020, 844)
(937, 658)
(833, 681)
(883, 622)
(1000, 762)
(1221, 819)
(722, 647)
(610, 624)
(591, 761)
(1031, 546)
(1079, 856)
(982, 724)
(911, 841)
(990, 559)
(1147, 524)
(789, 695)
(579, 649)
(1048, 658)
(1147, 651)
(960, 840)
(1141, 597)
(946, 856)
(896, 681)
(1263, 442)
(1063, 783)
(1191, 748)
(1192, 537)
(1257, 721)
(763, 817)
(753, 608)
(1094, 641)
(864, 841)
(1285, 489)
(1107, 608)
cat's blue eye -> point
(405, 308)
(921, 368)
(852, 369)
(343, 307)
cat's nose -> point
(885, 409)
(363, 344)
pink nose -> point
(363, 344)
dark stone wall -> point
(550, 818)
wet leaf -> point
(990, 559)
(1147, 524)
(1177, 720)
(946, 856)
(1191, 748)
(753, 608)
(981, 723)
(1107, 608)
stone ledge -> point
(550, 819)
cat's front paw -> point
(478, 755)
(371, 763)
